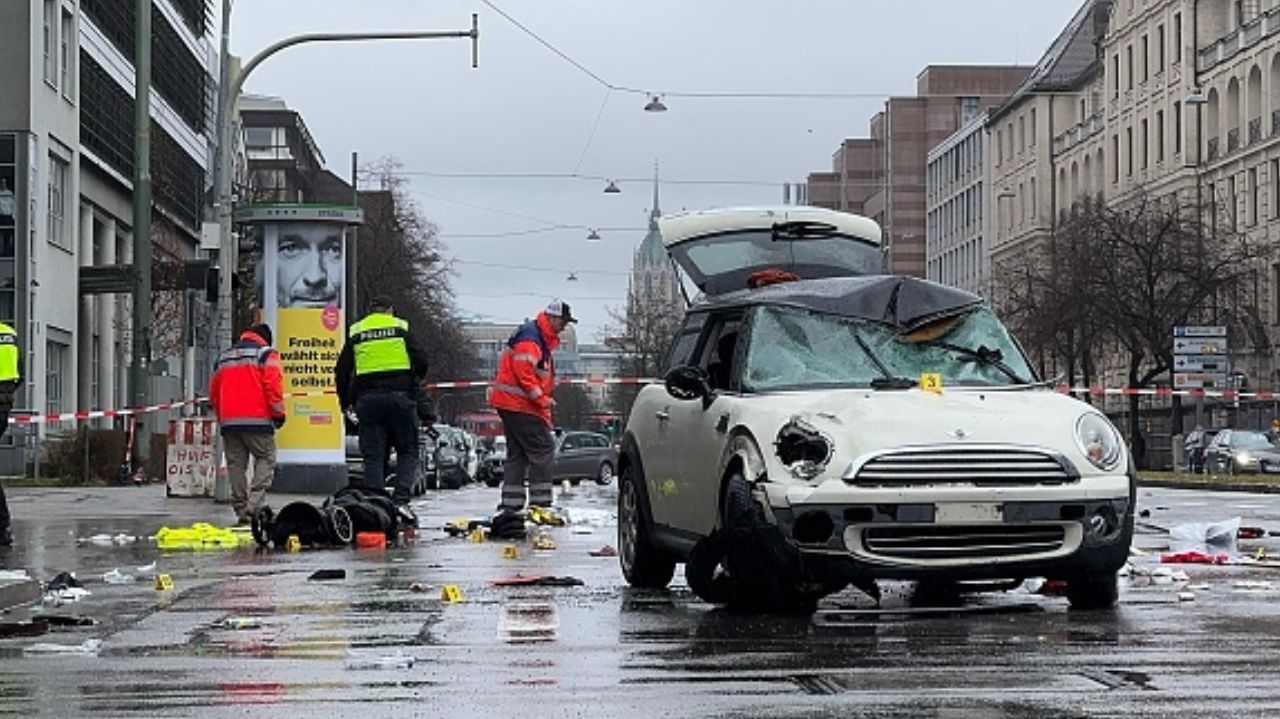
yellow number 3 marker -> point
(931, 382)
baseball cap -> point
(560, 309)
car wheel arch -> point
(743, 456)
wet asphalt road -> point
(603, 650)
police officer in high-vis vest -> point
(10, 381)
(379, 373)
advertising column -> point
(301, 294)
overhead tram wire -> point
(531, 268)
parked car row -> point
(448, 458)
(578, 456)
(1238, 451)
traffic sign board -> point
(1200, 380)
(1199, 331)
(1199, 345)
(1200, 363)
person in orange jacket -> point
(521, 392)
(247, 394)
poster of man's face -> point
(309, 265)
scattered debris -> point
(369, 540)
(200, 535)
(605, 551)
(589, 517)
(148, 569)
(1253, 585)
(537, 580)
(321, 575)
(242, 623)
(1193, 557)
(66, 620)
(545, 516)
(13, 575)
(63, 580)
(88, 648)
(543, 542)
(363, 661)
(32, 628)
(1186, 596)
(1205, 537)
(115, 576)
(420, 587)
(1144, 513)
(108, 540)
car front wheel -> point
(605, 476)
(643, 565)
(1093, 591)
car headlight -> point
(1098, 441)
(1245, 458)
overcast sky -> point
(526, 110)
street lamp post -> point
(227, 251)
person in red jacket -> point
(521, 392)
(247, 394)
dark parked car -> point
(1242, 451)
(1194, 445)
(426, 465)
(579, 455)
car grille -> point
(979, 466)
(951, 543)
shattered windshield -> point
(797, 348)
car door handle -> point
(662, 415)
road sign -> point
(1200, 331)
(1200, 380)
(1199, 345)
(1200, 363)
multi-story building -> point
(883, 177)
(66, 158)
(654, 288)
(954, 244)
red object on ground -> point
(371, 540)
(1194, 558)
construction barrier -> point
(191, 466)
(84, 415)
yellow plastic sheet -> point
(199, 536)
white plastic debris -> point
(108, 540)
(115, 576)
(589, 517)
(1253, 585)
(1162, 575)
(1186, 596)
(13, 575)
(147, 570)
(1206, 537)
(1180, 576)
(88, 648)
(1198, 587)
(58, 597)
(362, 660)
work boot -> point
(507, 524)
(406, 518)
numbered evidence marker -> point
(931, 382)
(510, 552)
(451, 594)
(164, 583)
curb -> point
(16, 592)
(1253, 488)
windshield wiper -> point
(982, 355)
(888, 380)
(802, 229)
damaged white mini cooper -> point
(822, 425)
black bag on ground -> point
(336, 522)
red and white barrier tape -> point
(98, 413)
(1166, 392)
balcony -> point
(1213, 148)
(1233, 140)
(1255, 130)
(1246, 37)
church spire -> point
(655, 213)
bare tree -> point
(1125, 275)
(399, 255)
(573, 406)
(643, 334)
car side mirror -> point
(690, 382)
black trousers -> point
(4, 504)
(529, 449)
(388, 418)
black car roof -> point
(905, 303)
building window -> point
(1159, 49)
(1275, 189)
(1159, 136)
(969, 109)
(1128, 60)
(1128, 149)
(1232, 210)
(1115, 73)
(1177, 38)
(58, 169)
(1033, 127)
(55, 375)
(1115, 153)
(1275, 294)
(1146, 144)
(1253, 196)
(1033, 199)
(50, 12)
(999, 147)
(1177, 128)
(95, 361)
(67, 53)
(1145, 49)
(1022, 133)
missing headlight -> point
(803, 449)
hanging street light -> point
(593, 236)
(655, 105)
(612, 188)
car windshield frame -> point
(1247, 439)
(794, 348)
